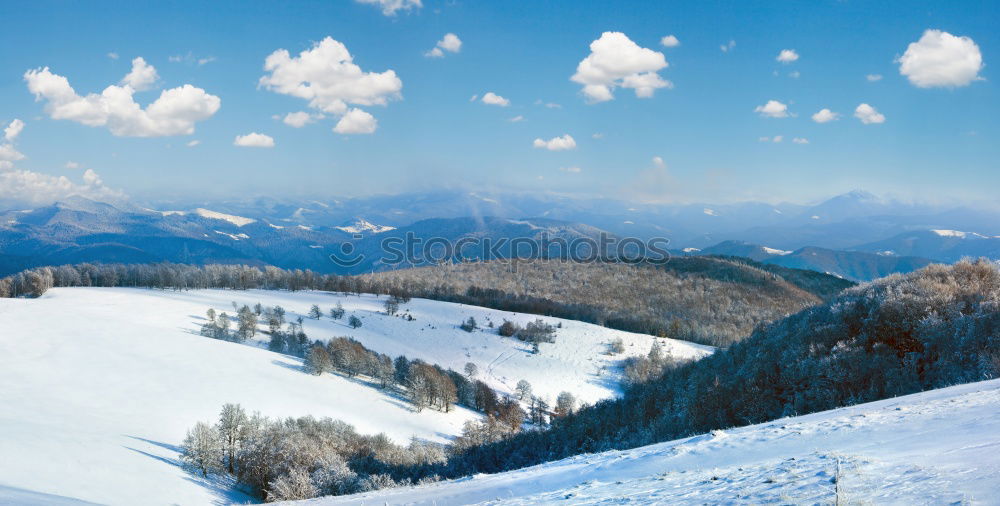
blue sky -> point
(938, 139)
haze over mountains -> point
(856, 235)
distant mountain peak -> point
(362, 225)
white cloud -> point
(491, 98)
(794, 74)
(300, 119)
(572, 170)
(390, 7)
(825, 116)
(254, 140)
(13, 130)
(776, 138)
(356, 121)
(71, 165)
(328, 78)
(772, 109)
(175, 112)
(193, 143)
(873, 77)
(670, 41)
(556, 143)
(206, 60)
(659, 163)
(940, 59)
(598, 135)
(142, 77)
(728, 46)
(516, 119)
(113, 55)
(9, 155)
(615, 61)
(787, 56)
(868, 115)
(33, 189)
(800, 140)
(450, 43)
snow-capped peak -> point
(239, 221)
(958, 233)
(363, 225)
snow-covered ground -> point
(98, 386)
(577, 362)
(937, 447)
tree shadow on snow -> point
(224, 488)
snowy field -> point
(937, 447)
(98, 386)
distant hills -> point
(857, 235)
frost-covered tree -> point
(565, 404)
(523, 390)
(202, 449)
(337, 312)
(315, 312)
(232, 428)
(294, 485)
(391, 306)
(354, 322)
(471, 370)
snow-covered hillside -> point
(937, 447)
(99, 385)
(577, 362)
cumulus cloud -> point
(300, 119)
(13, 129)
(175, 112)
(800, 140)
(33, 189)
(254, 140)
(491, 98)
(825, 116)
(728, 46)
(391, 7)
(940, 59)
(9, 155)
(873, 77)
(772, 109)
(356, 121)
(328, 78)
(556, 143)
(776, 138)
(142, 77)
(670, 41)
(450, 43)
(868, 115)
(787, 56)
(615, 61)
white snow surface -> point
(239, 221)
(99, 385)
(936, 447)
(775, 251)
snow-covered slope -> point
(937, 447)
(577, 362)
(98, 386)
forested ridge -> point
(710, 300)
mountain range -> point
(857, 235)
